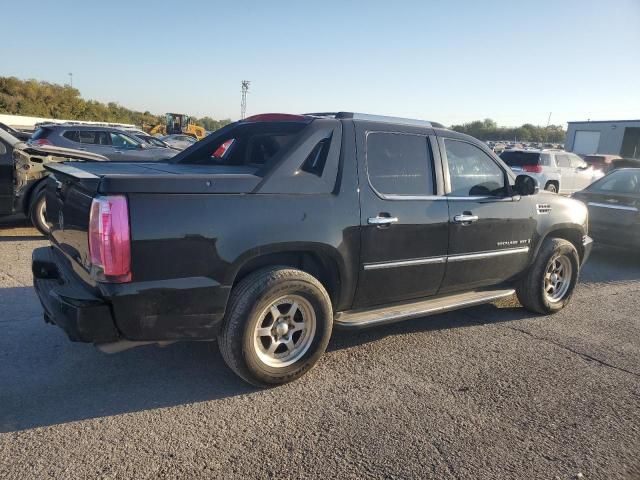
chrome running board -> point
(404, 311)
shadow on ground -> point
(45, 379)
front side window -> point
(622, 181)
(399, 164)
(472, 172)
(122, 141)
(577, 162)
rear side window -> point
(562, 160)
(520, 159)
(71, 135)
(399, 164)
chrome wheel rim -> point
(42, 211)
(557, 278)
(285, 330)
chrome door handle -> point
(382, 220)
(465, 218)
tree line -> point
(488, 129)
(51, 100)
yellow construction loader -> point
(177, 123)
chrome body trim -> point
(491, 253)
(451, 258)
(613, 207)
(404, 263)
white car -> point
(555, 170)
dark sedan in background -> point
(614, 208)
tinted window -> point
(87, 136)
(71, 135)
(562, 160)
(622, 181)
(252, 144)
(472, 172)
(519, 159)
(122, 141)
(399, 164)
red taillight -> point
(532, 168)
(109, 239)
(42, 141)
(278, 117)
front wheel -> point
(37, 213)
(278, 325)
(548, 285)
(551, 187)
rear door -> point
(6, 178)
(403, 214)
(567, 173)
(489, 231)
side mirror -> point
(141, 146)
(526, 185)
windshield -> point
(519, 159)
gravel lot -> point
(492, 392)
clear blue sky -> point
(449, 61)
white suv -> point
(556, 170)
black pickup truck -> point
(274, 229)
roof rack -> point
(377, 118)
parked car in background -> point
(178, 141)
(614, 208)
(272, 230)
(600, 162)
(22, 176)
(624, 163)
(151, 140)
(109, 142)
(555, 170)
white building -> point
(614, 137)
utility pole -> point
(243, 104)
(546, 130)
(70, 79)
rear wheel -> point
(551, 187)
(548, 285)
(37, 213)
(277, 326)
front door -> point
(582, 173)
(404, 217)
(6, 178)
(489, 231)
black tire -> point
(530, 289)
(249, 300)
(551, 187)
(36, 212)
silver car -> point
(179, 141)
(115, 144)
(555, 170)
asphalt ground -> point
(492, 392)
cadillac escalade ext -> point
(275, 229)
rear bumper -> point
(168, 310)
(83, 316)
